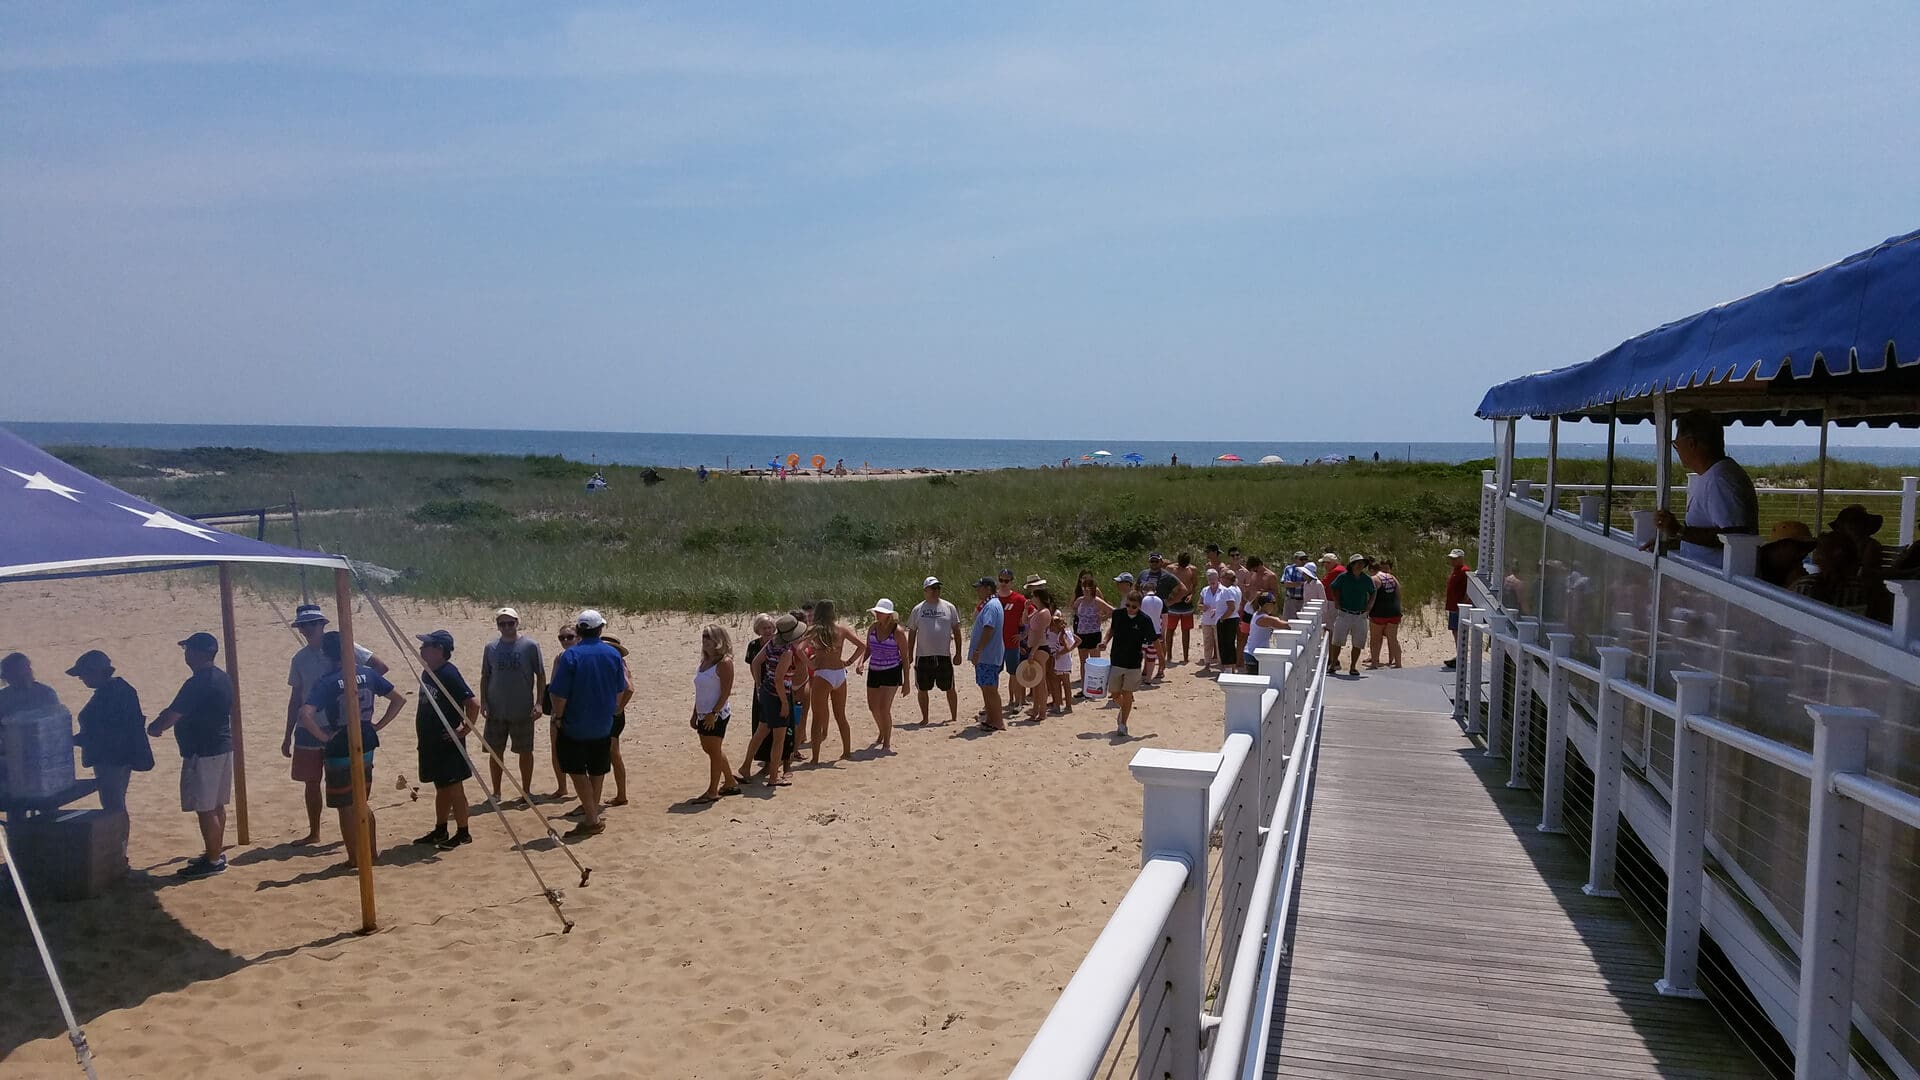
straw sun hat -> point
(1030, 672)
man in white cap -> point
(589, 686)
(933, 638)
(1456, 595)
(513, 679)
(309, 666)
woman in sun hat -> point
(886, 645)
(772, 707)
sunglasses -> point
(569, 637)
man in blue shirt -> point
(589, 686)
(200, 717)
(1294, 580)
(988, 651)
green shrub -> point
(460, 512)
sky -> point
(1274, 221)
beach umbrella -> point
(1103, 453)
(1135, 458)
(793, 461)
(1086, 457)
(819, 461)
(1229, 457)
(1273, 459)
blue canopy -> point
(1860, 315)
(56, 520)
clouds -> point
(684, 195)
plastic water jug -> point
(39, 758)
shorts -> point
(985, 675)
(1227, 637)
(1063, 662)
(885, 676)
(518, 731)
(1090, 642)
(719, 728)
(1150, 651)
(442, 764)
(1179, 620)
(1014, 655)
(583, 757)
(309, 764)
(835, 677)
(1385, 620)
(206, 783)
(340, 780)
(1123, 680)
(936, 671)
(619, 725)
(1453, 620)
(1351, 627)
(766, 710)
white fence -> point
(1190, 955)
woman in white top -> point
(1262, 621)
(1227, 622)
(712, 686)
(1209, 618)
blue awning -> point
(55, 519)
(1860, 315)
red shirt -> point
(1457, 588)
(1013, 622)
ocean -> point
(750, 451)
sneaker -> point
(454, 841)
(438, 834)
(198, 867)
(1448, 665)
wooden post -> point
(1526, 632)
(1687, 838)
(1174, 825)
(1824, 1023)
(360, 841)
(1553, 783)
(1610, 712)
(239, 730)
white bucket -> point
(1590, 507)
(1095, 683)
(1644, 527)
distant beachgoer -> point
(1293, 583)
(1152, 666)
(712, 687)
(1090, 612)
(113, 731)
(588, 682)
(1383, 621)
(1013, 609)
(1209, 621)
(513, 682)
(1720, 496)
(828, 687)
(933, 637)
(615, 759)
(1174, 461)
(1180, 607)
(308, 666)
(772, 716)
(1262, 621)
(568, 638)
(1456, 596)
(1376, 461)
(1033, 643)
(840, 467)
(1226, 622)
(324, 716)
(1127, 636)
(885, 665)
(701, 472)
(443, 758)
(1212, 555)
(1353, 594)
(987, 650)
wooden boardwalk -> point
(1438, 934)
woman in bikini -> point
(1033, 639)
(886, 644)
(1090, 611)
(828, 686)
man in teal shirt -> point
(988, 651)
(1352, 594)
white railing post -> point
(1240, 820)
(1906, 612)
(1611, 711)
(1473, 624)
(1174, 825)
(1460, 665)
(1499, 646)
(1909, 506)
(1553, 783)
(1527, 631)
(1687, 837)
(1739, 554)
(1825, 1021)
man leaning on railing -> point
(1720, 496)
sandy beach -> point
(912, 915)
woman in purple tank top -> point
(886, 644)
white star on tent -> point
(40, 482)
(160, 519)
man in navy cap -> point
(201, 719)
(447, 711)
(308, 667)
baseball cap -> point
(307, 613)
(1456, 553)
(1357, 557)
(1126, 577)
(590, 619)
(985, 582)
(1299, 554)
(438, 637)
(931, 582)
(1156, 557)
(506, 613)
(1330, 557)
(91, 661)
(200, 642)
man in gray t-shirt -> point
(513, 680)
(933, 636)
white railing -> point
(1193, 949)
(1841, 790)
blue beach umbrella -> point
(1135, 458)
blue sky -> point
(890, 219)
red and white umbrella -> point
(1229, 457)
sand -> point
(912, 915)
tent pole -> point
(239, 730)
(1820, 483)
(360, 841)
(1663, 449)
